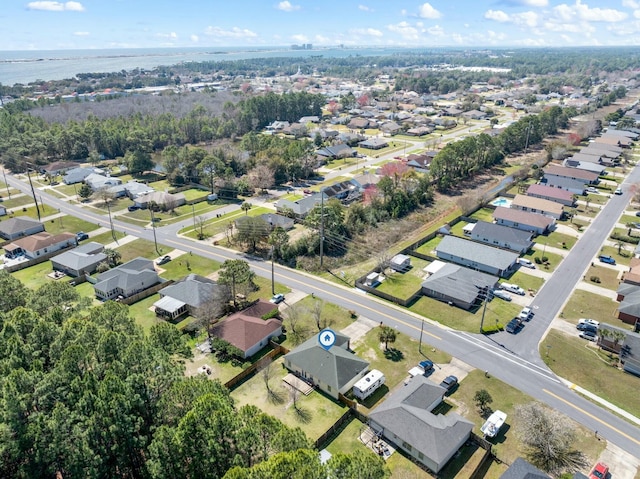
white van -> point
(526, 263)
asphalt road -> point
(500, 360)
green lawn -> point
(194, 194)
(553, 259)
(430, 246)
(404, 285)
(291, 197)
(187, 264)
(584, 304)
(141, 313)
(35, 276)
(219, 225)
(626, 219)
(17, 201)
(458, 318)
(590, 212)
(67, 190)
(625, 255)
(340, 163)
(161, 185)
(319, 412)
(140, 247)
(595, 198)
(107, 237)
(557, 240)
(181, 213)
(582, 363)
(526, 281)
(69, 223)
(483, 214)
(403, 355)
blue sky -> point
(52, 25)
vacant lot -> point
(608, 276)
(582, 363)
(584, 304)
(140, 247)
(403, 285)
(557, 240)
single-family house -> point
(421, 161)
(584, 165)
(333, 371)
(603, 150)
(301, 207)
(524, 220)
(97, 181)
(134, 189)
(615, 140)
(474, 115)
(18, 227)
(83, 259)
(366, 179)
(420, 130)
(498, 262)
(77, 175)
(390, 128)
(538, 205)
(360, 124)
(126, 280)
(502, 236)
(521, 469)
(549, 193)
(295, 129)
(455, 284)
(191, 295)
(452, 111)
(375, 143)
(630, 353)
(602, 158)
(633, 275)
(589, 156)
(570, 179)
(345, 191)
(309, 119)
(406, 419)
(340, 150)
(36, 245)
(400, 262)
(164, 200)
(247, 331)
(58, 167)
(277, 125)
(350, 138)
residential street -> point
(510, 358)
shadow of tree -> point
(302, 414)
(394, 354)
(275, 397)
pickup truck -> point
(607, 259)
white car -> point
(498, 293)
(591, 189)
(525, 314)
(277, 298)
(592, 322)
(618, 191)
(512, 288)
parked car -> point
(498, 293)
(165, 259)
(525, 314)
(426, 365)
(212, 197)
(589, 321)
(591, 189)
(513, 326)
(618, 191)
(449, 383)
(277, 298)
(588, 335)
(637, 213)
(587, 327)
(513, 288)
(133, 207)
(599, 471)
(81, 236)
(526, 263)
(607, 259)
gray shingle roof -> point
(504, 234)
(521, 469)
(138, 271)
(458, 282)
(480, 253)
(88, 254)
(194, 290)
(405, 414)
(18, 224)
(335, 367)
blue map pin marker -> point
(326, 338)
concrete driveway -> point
(622, 465)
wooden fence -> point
(328, 434)
(486, 445)
(146, 293)
(276, 352)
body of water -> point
(30, 66)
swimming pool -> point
(502, 202)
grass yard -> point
(583, 364)
(215, 226)
(318, 412)
(194, 194)
(430, 246)
(626, 219)
(403, 355)
(624, 257)
(526, 281)
(595, 198)
(458, 318)
(107, 237)
(140, 247)
(590, 212)
(18, 201)
(483, 214)
(340, 163)
(584, 304)
(187, 264)
(69, 223)
(403, 285)
(333, 316)
(35, 276)
(623, 232)
(161, 185)
(141, 313)
(553, 259)
(291, 197)
(556, 240)
(608, 276)
(66, 190)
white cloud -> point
(195, 38)
(235, 32)
(631, 4)
(287, 6)
(81, 34)
(529, 19)
(299, 38)
(405, 30)
(581, 11)
(495, 35)
(636, 14)
(172, 35)
(371, 32)
(535, 3)
(427, 11)
(56, 6)
(364, 8)
(497, 15)
(436, 31)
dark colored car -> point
(513, 326)
(81, 236)
(587, 327)
(637, 213)
(588, 335)
(449, 383)
(133, 208)
(426, 365)
(607, 259)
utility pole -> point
(484, 309)
(420, 343)
(33, 192)
(273, 275)
(321, 227)
(153, 227)
(526, 145)
(193, 211)
(4, 173)
(113, 233)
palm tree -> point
(246, 206)
(387, 335)
(113, 256)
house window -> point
(329, 388)
(420, 455)
(406, 446)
